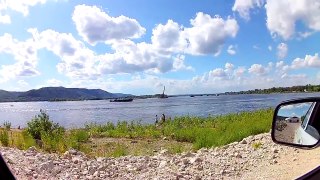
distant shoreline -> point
(155, 96)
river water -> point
(73, 114)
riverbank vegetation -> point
(292, 89)
(134, 138)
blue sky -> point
(138, 46)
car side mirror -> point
(297, 123)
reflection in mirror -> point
(295, 124)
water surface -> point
(77, 113)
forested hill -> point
(58, 94)
(306, 88)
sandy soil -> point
(291, 164)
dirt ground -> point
(291, 164)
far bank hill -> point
(58, 94)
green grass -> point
(4, 137)
(200, 131)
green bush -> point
(41, 123)
(28, 140)
(54, 141)
(79, 135)
(4, 138)
(76, 137)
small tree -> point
(41, 123)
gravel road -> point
(255, 157)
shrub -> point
(79, 135)
(4, 137)
(54, 141)
(7, 125)
(40, 124)
(76, 137)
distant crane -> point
(163, 95)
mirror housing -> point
(297, 123)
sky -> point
(139, 46)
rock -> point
(200, 168)
(237, 155)
(32, 149)
(185, 161)
(244, 141)
(164, 138)
(162, 164)
(188, 154)
(56, 170)
(47, 166)
(195, 159)
(91, 170)
(96, 174)
(66, 155)
(73, 151)
(89, 177)
(35, 176)
(75, 160)
(101, 159)
(102, 168)
(275, 150)
(222, 172)
(275, 161)
(203, 150)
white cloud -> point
(178, 63)
(130, 57)
(230, 78)
(294, 76)
(94, 25)
(239, 71)
(229, 66)
(282, 16)
(208, 34)
(243, 7)
(257, 69)
(231, 50)
(5, 19)
(21, 6)
(217, 73)
(308, 62)
(282, 50)
(76, 60)
(168, 37)
(270, 48)
(24, 54)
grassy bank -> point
(123, 138)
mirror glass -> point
(297, 123)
